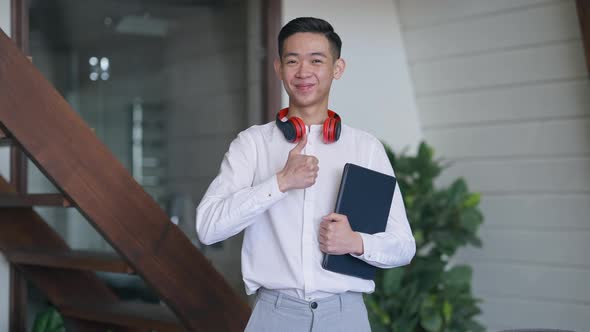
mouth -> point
(304, 87)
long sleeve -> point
(396, 246)
(231, 201)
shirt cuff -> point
(368, 254)
(269, 191)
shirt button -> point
(313, 305)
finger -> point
(337, 216)
(333, 216)
(300, 145)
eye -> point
(290, 62)
(316, 61)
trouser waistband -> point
(281, 300)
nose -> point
(303, 70)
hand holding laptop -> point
(337, 237)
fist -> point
(337, 238)
(300, 171)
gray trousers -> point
(274, 311)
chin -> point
(304, 101)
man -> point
(270, 185)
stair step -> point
(30, 200)
(71, 259)
(127, 314)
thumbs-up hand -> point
(300, 170)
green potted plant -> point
(429, 294)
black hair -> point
(314, 25)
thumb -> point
(300, 145)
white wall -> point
(5, 172)
(502, 90)
(375, 94)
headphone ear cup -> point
(337, 130)
(293, 129)
(299, 127)
(332, 127)
(327, 130)
(331, 130)
(288, 129)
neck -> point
(311, 114)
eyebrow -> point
(322, 54)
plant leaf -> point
(472, 200)
(447, 311)
(42, 321)
(470, 220)
(458, 276)
(392, 279)
(55, 321)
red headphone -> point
(294, 128)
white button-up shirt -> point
(281, 247)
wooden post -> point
(18, 173)
(18, 301)
(584, 17)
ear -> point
(339, 67)
(278, 69)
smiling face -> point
(307, 68)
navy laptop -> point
(365, 197)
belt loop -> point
(341, 305)
(279, 299)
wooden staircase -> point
(36, 120)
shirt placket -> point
(308, 229)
